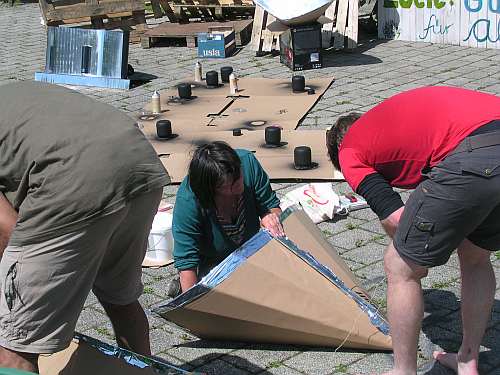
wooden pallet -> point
(341, 33)
(188, 32)
(99, 14)
(263, 40)
(213, 9)
(162, 8)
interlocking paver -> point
(378, 70)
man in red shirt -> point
(443, 142)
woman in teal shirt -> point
(222, 203)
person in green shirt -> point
(222, 203)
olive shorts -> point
(44, 286)
(459, 199)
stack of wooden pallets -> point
(341, 33)
(209, 10)
(99, 14)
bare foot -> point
(450, 360)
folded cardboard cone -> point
(88, 356)
(294, 290)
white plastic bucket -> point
(160, 240)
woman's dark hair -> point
(336, 134)
(212, 165)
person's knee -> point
(400, 269)
(471, 255)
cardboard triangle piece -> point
(271, 290)
(86, 355)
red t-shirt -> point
(413, 130)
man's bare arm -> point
(8, 218)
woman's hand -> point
(271, 221)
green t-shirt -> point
(198, 237)
(66, 159)
(13, 371)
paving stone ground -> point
(377, 70)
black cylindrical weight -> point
(184, 90)
(298, 83)
(164, 129)
(273, 135)
(225, 72)
(302, 157)
(212, 78)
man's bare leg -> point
(17, 360)
(405, 309)
(478, 293)
(131, 326)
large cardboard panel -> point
(80, 358)
(306, 235)
(287, 302)
(261, 102)
(188, 142)
(252, 108)
(263, 110)
(249, 140)
(282, 87)
(187, 116)
(277, 168)
(282, 168)
(176, 165)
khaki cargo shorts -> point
(44, 286)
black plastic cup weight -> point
(212, 78)
(225, 72)
(273, 135)
(302, 158)
(164, 129)
(184, 90)
(237, 132)
(298, 83)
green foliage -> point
(274, 364)
(341, 368)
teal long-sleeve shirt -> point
(198, 237)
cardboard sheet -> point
(262, 111)
(253, 105)
(249, 140)
(83, 358)
(278, 162)
(288, 301)
(181, 114)
(261, 102)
